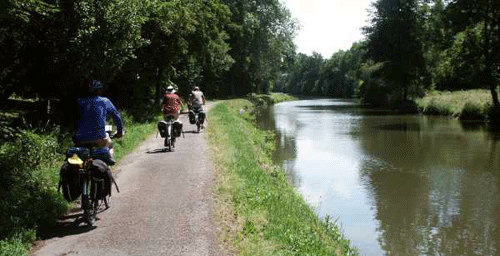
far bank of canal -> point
(397, 184)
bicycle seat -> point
(170, 118)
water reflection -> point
(398, 184)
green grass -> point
(466, 105)
(258, 210)
(280, 97)
(135, 134)
(263, 100)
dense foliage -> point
(261, 39)
(313, 75)
(411, 47)
(50, 49)
(29, 196)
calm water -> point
(397, 184)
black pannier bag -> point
(177, 129)
(69, 181)
(192, 117)
(162, 128)
(102, 180)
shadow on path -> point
(67, 225)
(155, 151)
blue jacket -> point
(93, 113)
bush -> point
(436, 108)
(471, 112)
(29, 195)
(18, 244)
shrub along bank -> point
(29, 164)
(467, 105)
(258, 210)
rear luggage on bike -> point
(70, 182)
(102, 153)
(82, 152)
(192, 117)
(177, 128)
(102, 180)
(162, 128)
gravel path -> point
(164, 206)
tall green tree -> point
(23, 26)
(52, 47)
(342, 71)
(484, 14)
(436, 39)
(209, 47)
(186, 45)
(334, 77)
(394, 40)
(261, 39)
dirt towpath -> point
(164, 206)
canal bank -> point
(258, 211)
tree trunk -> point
(494, 96)
(159, 93)
(489, 79)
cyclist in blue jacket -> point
(94, 109)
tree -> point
(261, 39)
(436, 39)
(342, 71)
(186, 45)
(209, 47)
(461, 65)
(60, 44)
(485, 14)
(21, 25)
(394, 40)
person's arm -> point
(116, 117)
(179, 101)
(190, 101)
(162, 102)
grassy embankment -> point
(29, 165)
(258, 210)
(465, 105)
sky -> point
(327, 26)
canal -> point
(396, 184)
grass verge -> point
(465, 105)
(258, 210)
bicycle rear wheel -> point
(88, 210)
(168, 143)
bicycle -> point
(197, 118)
(85, 172)
(168, 131)
(95, 195)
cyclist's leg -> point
(178, 128)
(201, 115)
